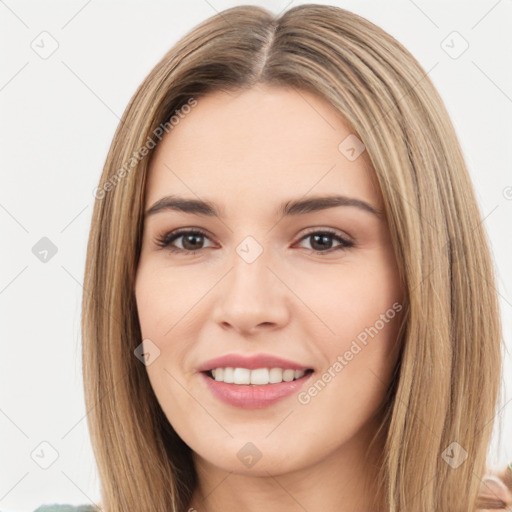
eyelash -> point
(165, 241)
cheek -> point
(163, 299)
(349, 299)
(354, 382)
(158, 312)
(167, 322)
(367, 335)
(363, 308)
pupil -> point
(322, 237)
(191, 237)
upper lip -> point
(251, 362)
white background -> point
(58, 116)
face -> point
(244, 276)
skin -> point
(247, 152)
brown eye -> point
(321, 241)
(192, 240)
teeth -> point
(258, 377)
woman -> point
(231, 359)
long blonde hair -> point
(446, 384)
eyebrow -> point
(288, 208)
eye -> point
(192, 240)
(321, 241)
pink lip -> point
(251, 396)
(251, 362)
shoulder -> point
(66, 508)
(496, 490)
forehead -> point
(259, 144)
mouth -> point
(254, 389)
(256, 377)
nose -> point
(252, 297)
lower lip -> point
(252, 396)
